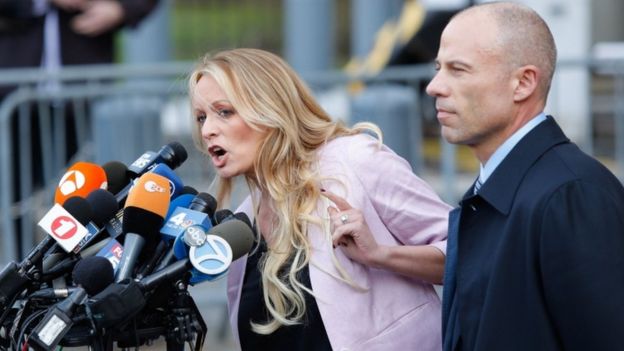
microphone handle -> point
(166, 260)
(172, 271)
(148, 267)
(133, 244)
(35, 256)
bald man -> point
(535, 257)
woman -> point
(323, 275)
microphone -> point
(183, 201)
(188, 225)
(225, 215)
(175, 183)
(199, 211)
(221, 216)
(204, 202)
(144, 213)
(117, 176)
(189, 190)
(91, 275)
(172, 154)
(123, 300)
(79, 180)
(112, 251)
(104, 208)
(182, 219)
(66, 228)
(224, 243)
(64, 223)
(91, 219)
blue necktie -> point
(477, 186)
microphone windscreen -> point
(142, 222)
(187, 189)
(117, 176)
(204, 202)
(242, 216)
(104, 206)
(237, 233)
(93, 273)
(79, 180)
(173, 154)
(79, 208)
(151, 193)
(220, 215)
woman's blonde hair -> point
(270, 96)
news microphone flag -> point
(63, 227)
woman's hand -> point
(350, 231)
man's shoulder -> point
(565, 164)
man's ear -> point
(527, 79)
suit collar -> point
(500, 189)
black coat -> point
(21, 35)
(537, 262)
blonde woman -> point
(349, 239)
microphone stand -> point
(185, 322)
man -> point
(535, 257)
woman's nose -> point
(208, 129)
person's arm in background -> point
(100, 16)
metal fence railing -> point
(42, 130)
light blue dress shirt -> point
(499, 155)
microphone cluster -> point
(122, 246)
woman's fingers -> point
(340, 202)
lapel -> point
(450, 265)
(501, 187)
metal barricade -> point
(99, 96)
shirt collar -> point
(502, 151)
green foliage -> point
(198, 28)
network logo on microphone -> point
(79, 180)
(152, 187)
(63, 227)
(213, 257)
(71, 181)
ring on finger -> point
(344, 218)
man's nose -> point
(435, 87)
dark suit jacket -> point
(21, 35)
(539, 253)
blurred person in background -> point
(534, 256)
(322, 275)
(51, 34)
(55, 33)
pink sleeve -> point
(407, 205)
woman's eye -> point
(200, 119)
(225, 113)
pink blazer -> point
(394, 312)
